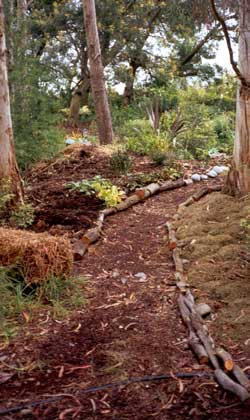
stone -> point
(218, 169)
(196, 177)
(69, 141)
(204, 177)
(141, 276)
(212, 174)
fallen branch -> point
(226, 358)
(228, 384)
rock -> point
(124, 280)
(196, 177)
(69, 141)
(212, 174)
(85, 142)
(188, 181)
(204, 177)
(115, 273)
(141, 276)
(218, 169)
(225, 168)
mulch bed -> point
(130, 327)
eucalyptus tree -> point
(9, 172)
(98, 88)
(238, 181)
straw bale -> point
(36, 256)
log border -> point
(228, 374)
(93, 234)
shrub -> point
(158, 157)
(104, 189)
(22, 216)
(120, 162)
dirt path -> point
(130, 328)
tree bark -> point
(103, 116)
(238, 181)
(79, 98)
(128, 93)
(8, 166)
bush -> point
(120, 162)
(158, 158)
(35, 112)
(22, 216)
(105, 191)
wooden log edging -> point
(92, 235)
(228, 374)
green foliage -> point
(22, 216)
(59, 295)
(141, 139)
(35, 112)
(158, 157)
(104, 189)
(6, 195)
(245, 224)
(120, 162)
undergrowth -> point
(103, 188)
(20, 301)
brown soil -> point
(62, 212)
(130, 328)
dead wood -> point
(198, 348)
(187, 203)
(153, 188)
(215, 188)
(81, 246)
(204, 191)
(172, 185)
(108, 211)
(177, 260)
(241, 377)
(171, 234)
(193, 341)
(229, 385)
(225, 357)
(129, 202)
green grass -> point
(18, 299)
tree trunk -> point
(8, 166)
(128, 93)
(103, 116)
(79, 98)
(238, 181)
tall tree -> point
(238, 181)
(103, 115)
(8, 166)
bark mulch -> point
(130, 328)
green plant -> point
(60, 295)
(6, 195)
(245, 224)
(22, 216)
(120, 162)
(103, 188)
(158, 157)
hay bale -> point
(36, 256)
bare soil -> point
(130, 326)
